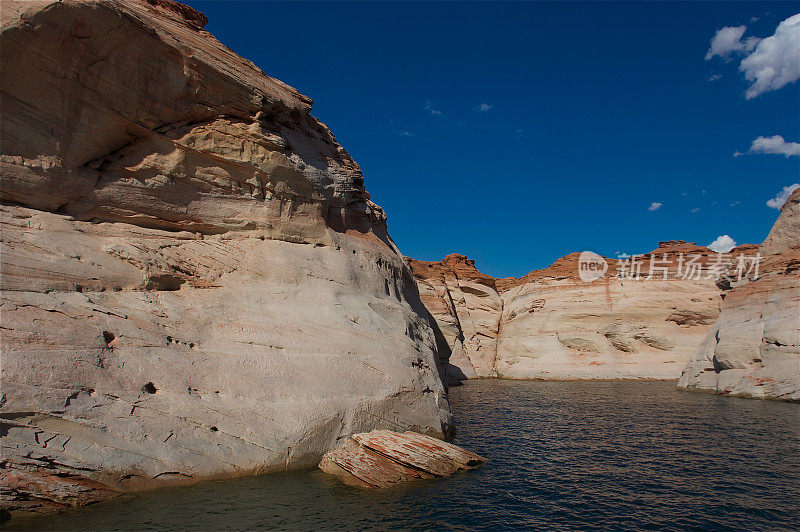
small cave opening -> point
(149, 388)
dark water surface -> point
(562, 455)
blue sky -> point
(517, 133)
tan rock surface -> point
(381, 458)
(753, 349)
(194, 281)
(467, 307)
(551, 325)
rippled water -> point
(563, 455)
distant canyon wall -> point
(551, 325)
(195, 282)
(729, 334)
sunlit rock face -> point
(194, 281)
(550, 324)
(467, 307)
(753, 349)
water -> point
(563, 456)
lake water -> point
(562, 455)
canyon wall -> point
(550, 324)
(195, 282)
(731, 330)
(753, 349)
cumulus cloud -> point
(775, 62)
(696, 209)
(722, 244)
(714, 77)
(780, 198)
(769, 63)
(482, 108)
(654, 206)
(728, 40)
(775, 145)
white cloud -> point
(431, 109)
(775, 62)
(778, 201)
(728, 40)
(714, 77)
(722, 244)
(735, 203)
(775, 145)
(482, 108)
(737, 154)
(654, 206)
(696, 209)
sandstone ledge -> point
(381, 458)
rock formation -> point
(467, 307)
(194, 281)
(551, 325)
(753, 349)
(381, 458)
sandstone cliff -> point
(467, 307)
(753, 349)
(194, 280)
(551, 325)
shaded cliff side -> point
(194, 281)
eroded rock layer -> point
(382, 458)
(551, 325)
(753, 349)
(194, 280)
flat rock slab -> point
(382, 458)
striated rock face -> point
(381, 458)
(551, 325)
(467, 307)
(194, 281)
(753, 349)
